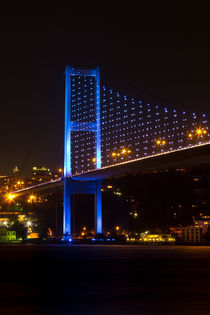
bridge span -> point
(107, 134)
(178, 158)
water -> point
(95, 279)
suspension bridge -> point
(108, 134)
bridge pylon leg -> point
(81, 187)
(67, 209)
(98, 207)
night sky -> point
(169, 64)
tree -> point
(20, 229)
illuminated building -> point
(188, 234)
(7, 236)
(4, 183)
(147, 237)
(43, 174)
(203, 223)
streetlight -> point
(10, 197)
(160, 142)
(198, 132)
(117, 229)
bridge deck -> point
(180, 158)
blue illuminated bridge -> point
(109, 134)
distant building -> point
(203, 223)
(158, 238)
(7, 236)
(188, 234)
(15, 170)
(4, 183)
(43, 174)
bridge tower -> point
(72, 185)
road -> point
(112, 279)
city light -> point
(117, 193)
(198, 132)
(94, 160)
(10, 197)
(60, 170)
(121, 152)
(31, 198)
(117, 228)
(160, 142)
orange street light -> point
(198, 131)
(10, 197)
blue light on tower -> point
(67, 132)
(82, 137)
(98, 121)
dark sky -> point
(159, 52)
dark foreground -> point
(104, 279)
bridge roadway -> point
(185, 157)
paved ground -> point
(95, 279)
